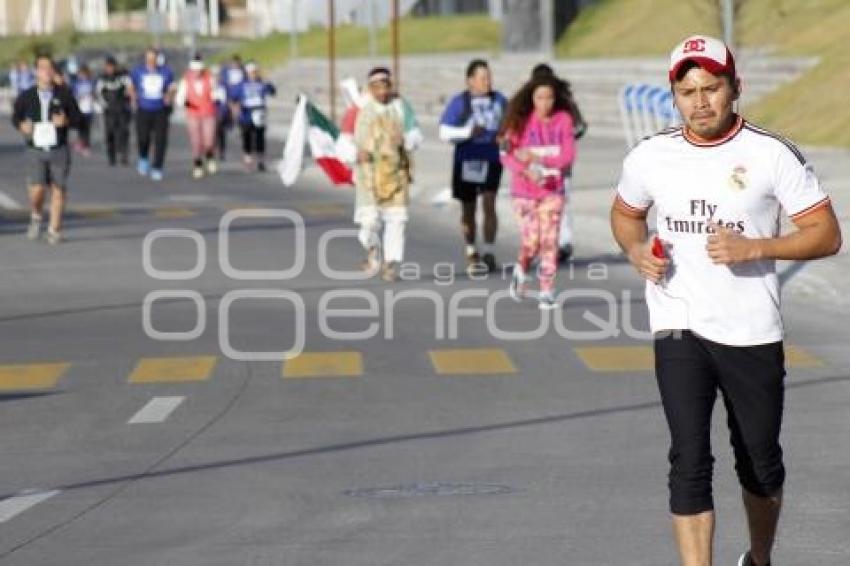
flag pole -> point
(332, 57)
(396, 66)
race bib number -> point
(253, 101)
(198, 86)
(86, 104)
(44, 135)
(258, 117)
(234, 77)
(474, 171)
(544, 150)
(152, 86)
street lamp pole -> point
(729, 23)
(547, 28)
(293, 31)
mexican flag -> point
(310, 126)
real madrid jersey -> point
(741, 182)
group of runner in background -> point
(532, 135)
(215, 99)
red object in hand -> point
(658, 248)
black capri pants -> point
(152, 125)
(253, 139)
(751, 380)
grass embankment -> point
(417, 35)
(813, 109)
(623, 28)
(67, 41)
(810, 110)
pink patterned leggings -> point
(540, 222)
(201, 134)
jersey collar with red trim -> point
(737, 126)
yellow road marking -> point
(471, 361)
(641, 358)
(95, 213)
(173, 212)
(617, 358)
(243, 206)
(324, 364)
(178, 369)
(796, 357)
(26, 377)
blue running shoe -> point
(143, 167)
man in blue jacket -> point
(471, 121)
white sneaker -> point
(212, 166)
(547, 301)
(53, 238)
(745, 560)
(197, 172)
(34, 229)
(517, 287)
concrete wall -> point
(16, 12)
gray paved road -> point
(383, 450)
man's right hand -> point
(363, 156)
(60, 120)
(647, 264)
(26, 127)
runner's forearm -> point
(628, 230)
(819, 236)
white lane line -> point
(13, 506)
(8, 202)
(157, 410)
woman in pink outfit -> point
(538, 147)
(197, 92)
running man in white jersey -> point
(718, 184)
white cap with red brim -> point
(707, 52)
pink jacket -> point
(553, 139)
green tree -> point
(126, 5)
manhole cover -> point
(429, 489)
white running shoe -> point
(53, 237)
(517, 287)
(34, 229)
(745, 560)
(547, 301)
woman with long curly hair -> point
(538, 146)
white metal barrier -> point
(644, 110)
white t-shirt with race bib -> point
(741, 181)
